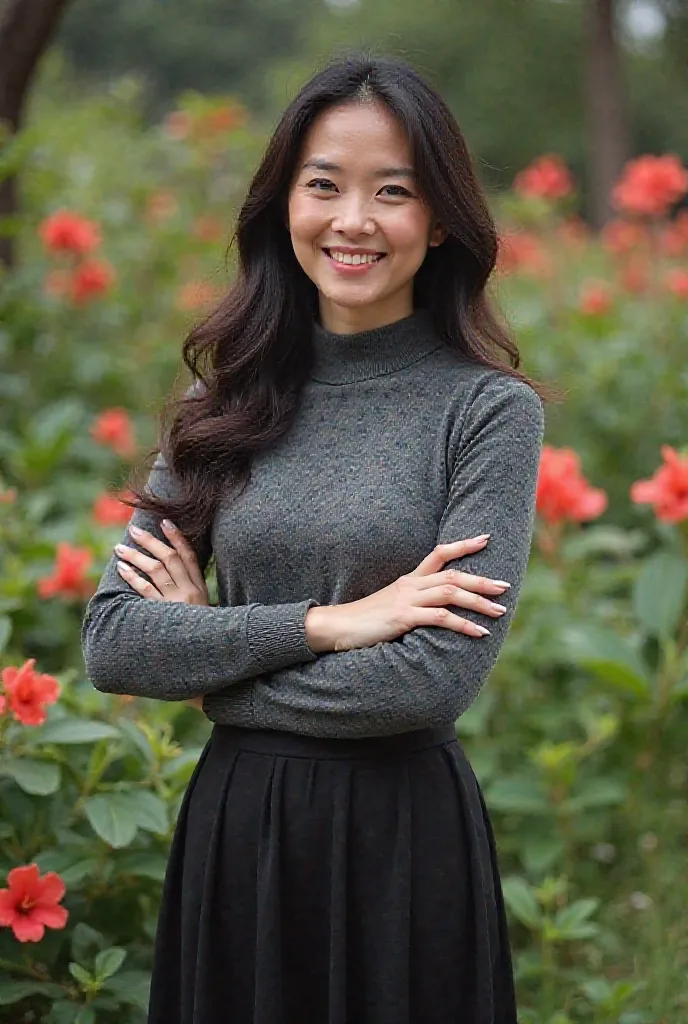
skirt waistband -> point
(289, 744)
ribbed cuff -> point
(231, 706)
(276, 634)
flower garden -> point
(578, 739)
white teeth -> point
(357, 258)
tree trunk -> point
(26, 28)
(608, 135)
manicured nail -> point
(136, 530)
(483, 536)
(123, 567)
(120, 549)
(482, 630)
(501, 583)
(168, 525)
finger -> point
(466, 580)
(443, 553)
(448, 620)
(151, 566)
(143, 587)
(186, 553)
(164, 554)
(449, 594)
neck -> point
(352, 319)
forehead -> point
(357, 132)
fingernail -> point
(501, 583)
(482, 630)
(168, 525)
(483, 536)
(135, 530)
(123, 567)
(120, 549)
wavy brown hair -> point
(252, 355)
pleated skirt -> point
(326, 881)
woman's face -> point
(358, 225)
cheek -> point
(305, 220)
(407, 233)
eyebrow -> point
(380, 172)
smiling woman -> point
(362, 462)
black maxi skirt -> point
(332, 881)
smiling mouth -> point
(355, 259)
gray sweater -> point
(399, 444)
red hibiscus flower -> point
(522, 251)
(622, 236)
(562, 490)
(113, 428)
(91, 279)
(676, 282)
(28, 692)
(69, 576)
(548, 177)
(64, 231)
(667, 489)
(650, 185)
(30, 904)
(108, 510)
(595, 298)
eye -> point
(400, 194)
(315, 182)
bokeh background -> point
(129, 131)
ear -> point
(437, 235)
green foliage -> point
(579, 738)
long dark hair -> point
(251, 356)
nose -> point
(353, 217)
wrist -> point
(321, 628)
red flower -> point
(522, 251)
(28, 692)
(69, 576)
(177, 124)
(91, 278)
(113, 428)
(674, 237)
(548, 177)
(562, 490)
(595, 298)
(224, 119)
(30, 904)
(69, 232)
(650, 185)
(676, 282)
(8, 496)
(108, 510)
(621, 236)
(667, 489)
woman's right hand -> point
(414, 599)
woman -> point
(361, 464)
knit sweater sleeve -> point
(172, 650)
(430, 675)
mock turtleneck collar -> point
(346, 358)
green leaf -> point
(132, 987)
(518, 795)
(74, 730)
(5, 631)
(610, 657)
(109, 961)
(522, 902)
(86, 1015)
(660, 592)
(571, 917)
(112, 818)
(150, 811)
(13, 991)
(39, 778)
(596, 793)
(142, 865)
(81, 974)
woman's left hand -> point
(174, 571)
